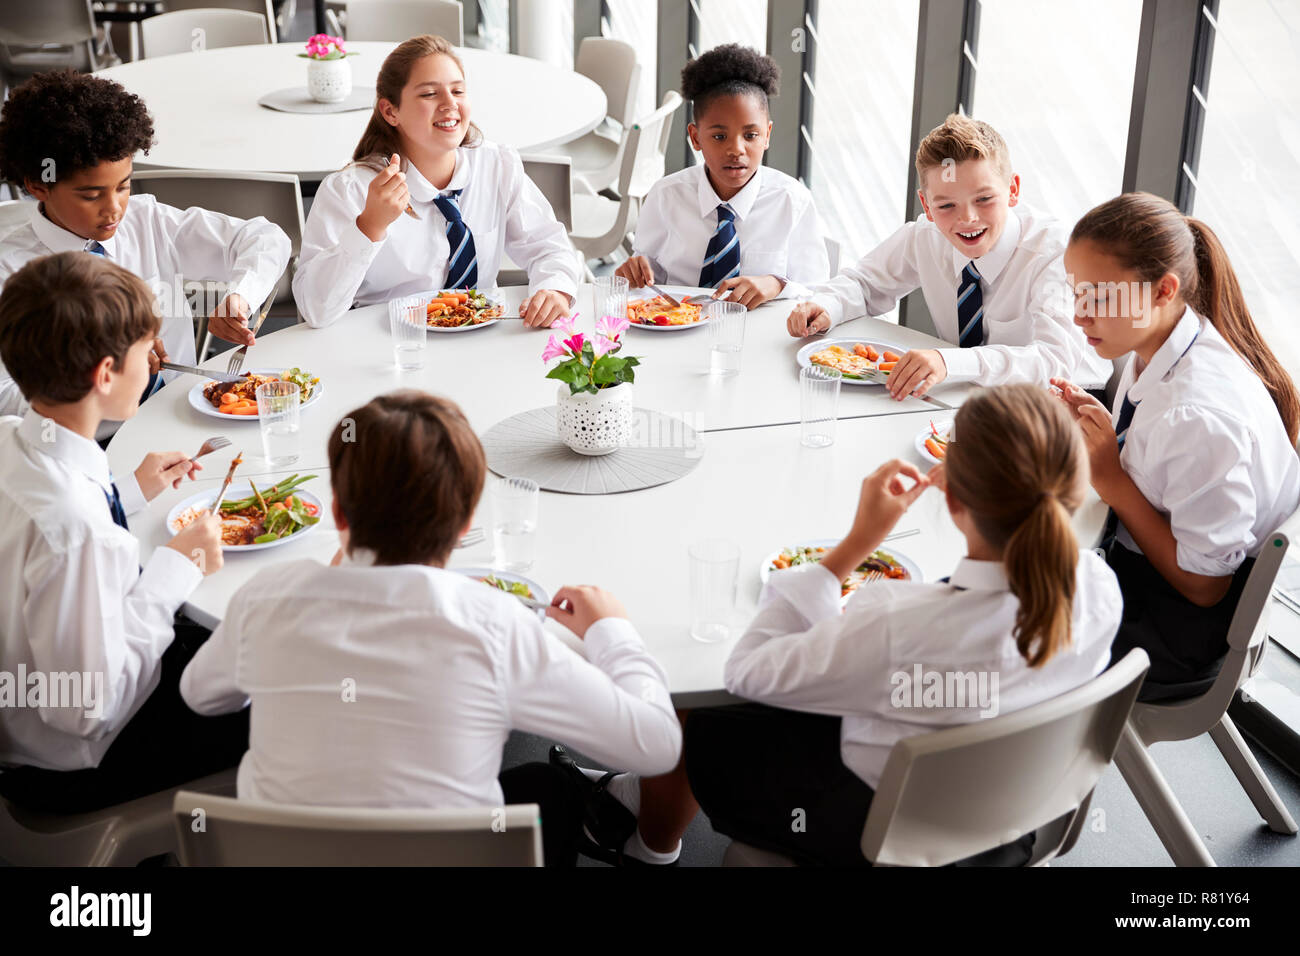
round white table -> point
(755, 484)
(206, 114)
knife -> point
(659, 291)
(221, 495)
(204, 372)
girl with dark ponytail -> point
(1198, 460)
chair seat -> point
(593, 216)
(594, 159)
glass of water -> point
(514, 528)
(715, 569)
(407, 319)
(819, 392)
(279, 408)
(727, 320)
(610, 297)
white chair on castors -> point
(122, 835)
(398, 20)
(1207, 712)
(171, 33)
(219, 831)
(961, 791)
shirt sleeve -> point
(874, 284)
(534, 238)
(209, 684)
(614, 706)
(808, 262)
(336, 255)
(651, 237)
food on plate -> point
(451, 309)
(240, 396)
(262, 516)
(861, 362)
(517, 588)
(659, 311)
(936, 443)
(880, 562)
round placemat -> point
(296, 99)
(663, 449)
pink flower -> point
(575, 343)
(566, 324)
(553, 349)
(604, 345)
(611, 327)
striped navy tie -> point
(462, 263)
(95, 249)
(1126, 410)
(115, 507)
(970, 308)
(722, 257)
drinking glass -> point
(279, 408)
(514, 527)
(609, 296)
(714, 569)
(407, 319)
(819, 392)
(727, 319)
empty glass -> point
(609, 296)
(279, 408)
(727, 320)
(514, 524)
(407, 317)
(819, 392)
(714, 568)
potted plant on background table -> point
(593, 413)
(329, 76)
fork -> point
(237, 360)
(472, 537)
(215, 443)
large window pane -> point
(733, 21)
(1250, 161)
(1056, 80)
(637, 22)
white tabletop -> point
(206, 115)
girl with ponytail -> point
(428, 203)
(1198, 461)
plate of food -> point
(238, 399)
(859, 361)
(657, 314)
(506, 581)
(255, 516)
(460, 310)
(887, 563)
(932, 442)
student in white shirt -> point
(1198, 463)
(990, 270)
(76, 608)
(69, 139)
(730, 223)
(427, 203)
(392, 681)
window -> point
(733, 21)
(493, 29)
(1250, 162)
(636, 22)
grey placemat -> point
(663, 449)
(296, 99)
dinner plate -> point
(804, 355)
(202, 405)
(237, 490)
(678, 292)
(765, 569)
(428, 297)
(539, 592)
(925, 433)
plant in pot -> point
(593, 413)
(329, 77)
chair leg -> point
(1158, 802)
(1251, 776)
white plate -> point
(925, 433)
(201, 404)
(539, 592)
(804, 355)
(765, 569)
(678, 292)
(241, 489)
(429, 296)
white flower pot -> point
(594, 424)
(329, 81)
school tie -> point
(462, 264)
(115, 507)
(970, 308)
(95, 249)
(722, 257)
(1126, 410)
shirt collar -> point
(975, 575)
(422, 190)
(741, 203)
(1167, 356)
(80, 454)
(995, 260)
(58, 239)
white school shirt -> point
(505, 211)
(397, 687)
(1028, 304)
(1207, 447)
(73, 598)
(164, 246)
(872, 664)
(776, 224)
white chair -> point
(1156, 722)
(244, 195)
(600, 225)
(207, 28)
(551, 175)
(219, 831)
(834, 252)
(961, 791)
(612, 65)
(263, 7)
(41, 35)
(115, 836)
(398, 20)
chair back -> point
(553, 176)
(643, 155)
(204, 28)
(263, 7)
(960, 791)
(221, 831)
(398, 20)
(611, 65)
(834, 252)
(39, 22)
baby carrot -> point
(887, 366)
(890, 356)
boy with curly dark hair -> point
(68, 139)
(732, 224)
